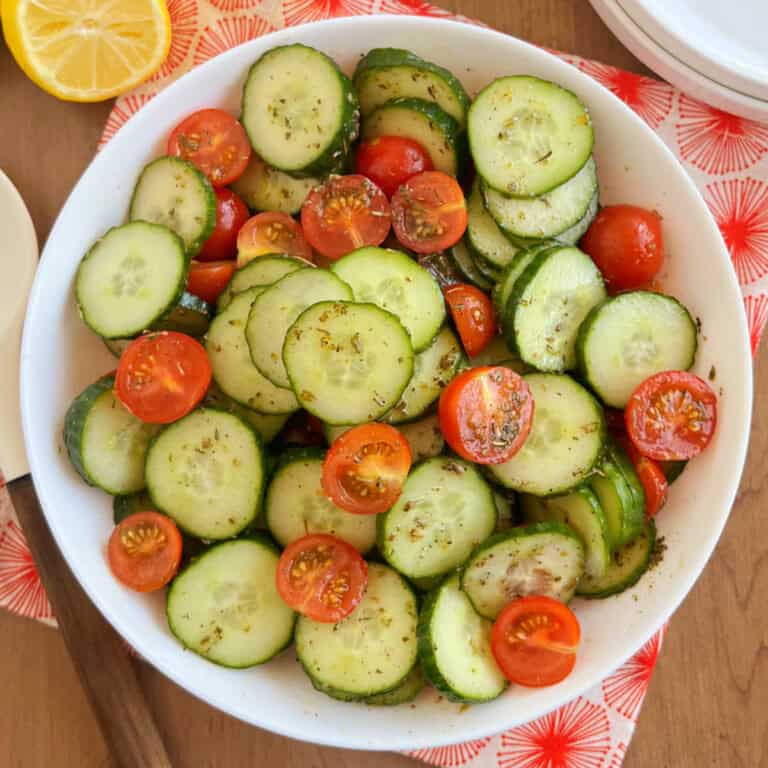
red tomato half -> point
(365, 468)
(651, 476)
(231, 214)
(389, 161)
(144, 551)
(207, 279)
(322, 577)
(345, 213)
(429, 212)
(486, 414)
(162, 376)
(534, 641)
(215, 142)
(271, 232)
(626, 244)
(671, 416)
(472, 313)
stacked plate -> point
(713, 50)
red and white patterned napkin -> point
(727, 158)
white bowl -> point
(60, 356)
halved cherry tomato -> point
(472, 313)
(144, 551)
(651, 476)
(671, 416)
(215, 142)
(162, 376)
(365, 468)
(345, 213)
(626, 244)
(389, 161)
(231, 214)
(486, 414)
(534, 641)
(429, 212)
(322, 577)
(207, 279)
(271, 232)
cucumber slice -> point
(260, 273)
(171, 191)
(506, 284)
(626, 567)
(370, 652)
(264, 188)
(566, 439)
(300, 111)
(130, 278)
(191, 315)
(225, 606)
(455, 646)
(425, 123)
(549, 301)
(391, 73)
(489, 271)
(505, 510)
(432, 370)
(466, 267)
(267, 425)
(206, 471)
(117, 346)
(129, 504)
(442, 266)
(395, 282)
(573, 234)
(581, 511)
(483, 234)
(444, 511)
(528, 136)
(233, 369)
(633, 336)
(348, 363)
(296, 505)
(544, 558)
(275, 310)
(496, 352)
(407, 691)
(548, 215)
(105, 443)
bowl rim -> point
(411, 740)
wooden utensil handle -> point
(98, 653)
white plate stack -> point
(715, 51)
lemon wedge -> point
(87, 50)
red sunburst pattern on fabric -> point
(227, 33)
(184, 25)
(716, 141)
(740, 208)
(453, 755)
(414, 7)
(625, 689)
(574, 736)
(125, 108)
(20, 588)
(650, 98)
(617, 758)
(234, 5)
(757, 316)
(302, 11)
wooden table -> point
(708, 703)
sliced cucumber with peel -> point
(264, 188)
(407, 691)
(467, 268)
(506, 284)
(191, 315)
(259, 273)
(483, 234)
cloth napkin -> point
(727, 158)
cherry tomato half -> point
(651, 476)
(671, 416)
(322, 577)
(207, 279)
(429, 212)
(231, 214)
(271, 232)
(472, 313)
(486, 414)
(162, 376)
(626, 244)
(534, 641)
(365, 468)
(215, 142)
(345, 213)
(389, 161)
(144, 551)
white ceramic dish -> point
(61, 356)
(673, 65)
